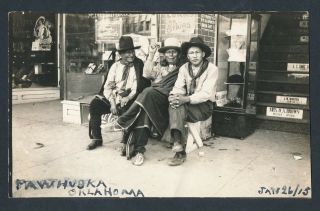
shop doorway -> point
(33, 57)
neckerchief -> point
(125, 74)
(193, 84)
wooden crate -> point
(71, 111)
(76, 111)
(205, 131)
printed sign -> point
(178, 25)
(304, 39)
(221, 98)
(284, 112)
(305, 16)
(298, 67)
(251, 96)
(303, 24)
(291, 100)
(108, 30)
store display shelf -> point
(281, 119)
(283, 82)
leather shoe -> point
(178, 159)
(94, 144)
(138, 159)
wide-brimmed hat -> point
(196, 42)
(170, 43)
(126, 43)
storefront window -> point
(90, 41)
(83, 63)
(238, 38)
(32, 48)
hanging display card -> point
(221, 98)
(285, 112)
(291, 100)
(298, 67)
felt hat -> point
(196, 42)
(170, 43)
(126, 43)
(235, 79)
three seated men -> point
(179, 93)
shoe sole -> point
(177, 164)
(91, 148)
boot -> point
(94, 144)
(178, 159)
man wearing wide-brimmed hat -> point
(193, 95)
(124, 82)
(150, 110)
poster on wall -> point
(181, 26)
(42, 35)
(108, 29)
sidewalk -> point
(45, 148)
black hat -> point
(197, 42)
(235, 79)
(126, 43)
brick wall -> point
(206, 30)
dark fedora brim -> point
(126, 49)
(164, 49)
(185, 47)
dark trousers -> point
(178, 117)
(139, 129)
(97, 108)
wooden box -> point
(233, 124)
(71, 111)
(76, 111)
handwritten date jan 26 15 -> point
(285, 190)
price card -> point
(304, 39)
(291, 100)
(298, 67)
(285, 112)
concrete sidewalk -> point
(45, 148)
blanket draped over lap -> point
(154, 102)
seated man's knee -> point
(177, 111)
(148, 90)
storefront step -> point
(268, 123)
(284, 82)
(286, 48)
(30, 95)
(283, 93)
(280, 119)
(270, 64)
(282, 97)
(285, 57)
(294, 106)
